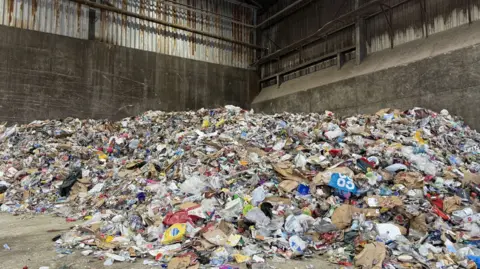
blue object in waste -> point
(475, 259)
(303, 189)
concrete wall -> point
(49, 76)
(436, 77)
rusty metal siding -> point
(67, 18)
(50, 16)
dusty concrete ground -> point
(31, 245)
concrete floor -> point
(31, 245)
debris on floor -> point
(218, 187)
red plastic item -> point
(70, 219)
(440, 213)
(335, 152)
(435, 200)
(179, 217)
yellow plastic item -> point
(243, 162)
(174, 234)
(205, 123)
(101, 155)
(418, 137)
(87, 218)
(220, 122)
(239, 258)
(109, 239)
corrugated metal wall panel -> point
(300, 24)
(406, 20)
(446, 14)
(51, 16)
(67, 18)
(475, 9)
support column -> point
(360, 31)
(340, 59)
(91, 22)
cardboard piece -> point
(286, 172)
(179, 262)
(469, 177)
(288, 185)
(216, 237)
(383, 201)
(451, 204)
(342, 216)
(187, 205)
(411, 180)
(278, 200)
(419, 223)
(371, 257)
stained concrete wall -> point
(440, 72)
(49, 76)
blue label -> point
(343, 183)
(175, 231)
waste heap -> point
(217, 187)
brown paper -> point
(278, 200)
(451, 204)
(384, 201)
(371, 257)
(342, 217)
(217, 237)
(179, 263)
(411, 180)
(419, 223)
(258, 151)
(288, 185)
(132, 252)
(403, 230)
(471, 178)
(386, 176)
(187, 205)
(286, 172)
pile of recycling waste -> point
(219, 187)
